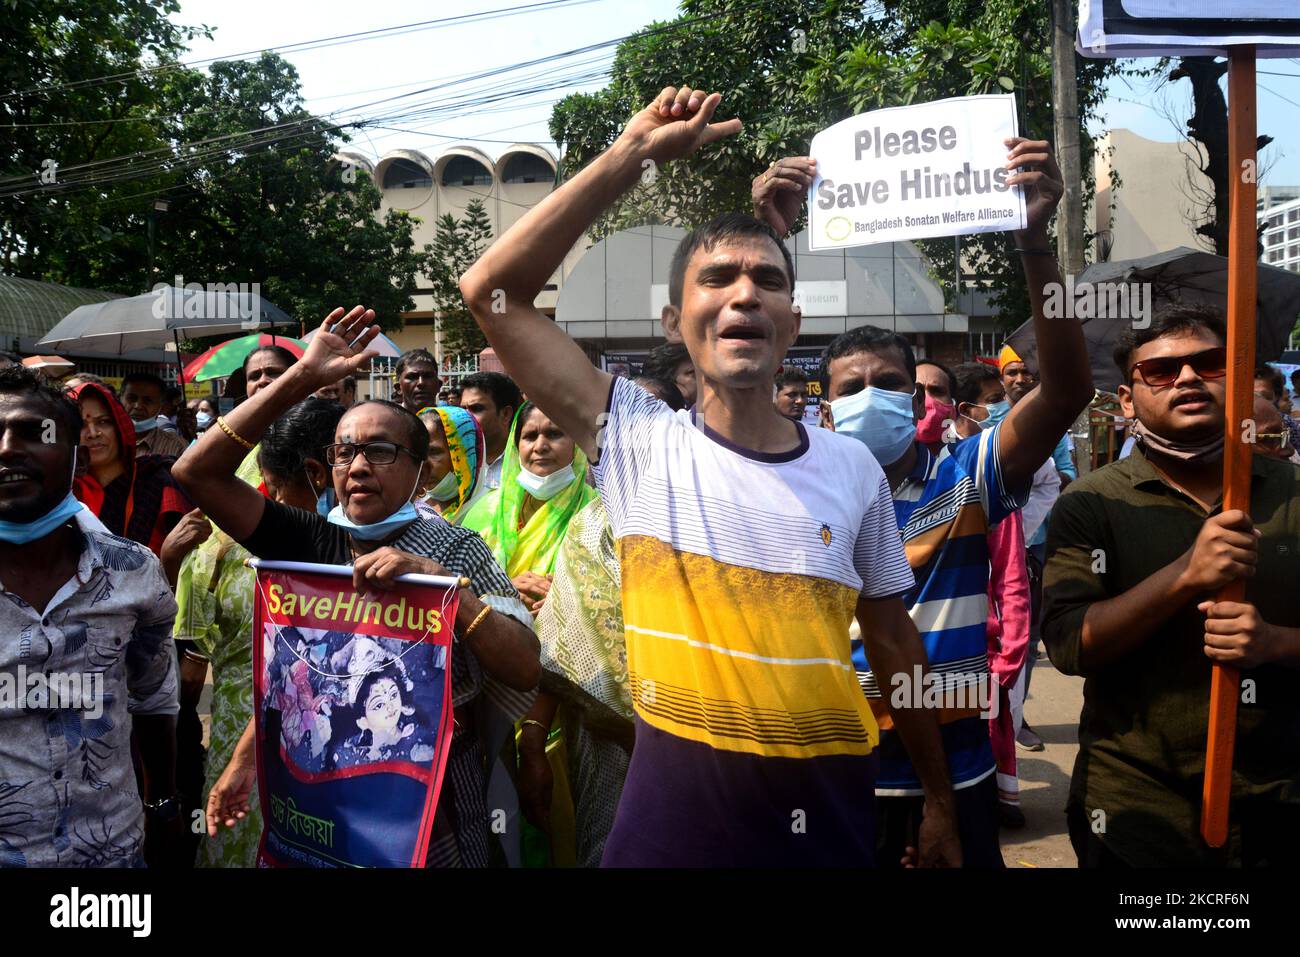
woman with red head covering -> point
(134, 497)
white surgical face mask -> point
(446, 489)
(543, 487)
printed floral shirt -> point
(70, 680)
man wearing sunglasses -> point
(1136, 552)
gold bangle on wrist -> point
(235, 436)
(477, 620)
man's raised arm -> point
(500, 288)
(1039, 420)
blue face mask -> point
(379, 530)
(881, 420)
(326, 501)
(148, 425)
(202, 420)
(997, 411)
(20, 533)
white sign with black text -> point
(915, 172)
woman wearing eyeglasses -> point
(375, 464)
(1137, 552)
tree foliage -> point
(268, 207)
(790, 68)
(456, 246)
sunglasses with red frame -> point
(1164, 370)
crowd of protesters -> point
(699, 628)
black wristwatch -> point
(163, 810)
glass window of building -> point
(464, 171)
(527, 168)
(403, 174)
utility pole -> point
(1065, 113)
(1069, 214)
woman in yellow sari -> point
(543, 486)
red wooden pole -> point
(1225, 682)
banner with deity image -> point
(352, 701)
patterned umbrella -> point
(223, 359)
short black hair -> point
(871, 339)
(502, 388)
(147, 378)
(1168, 320)
(90, 377)
(952, 379)
(410, 357)
(970, 378)
(791, 377)
(417, 436)
(19, 380)
(663, 360)
(667, 389)
(719, 229)
(300, 434)
(1276, 381)
(279, 351)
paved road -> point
(1053, 710)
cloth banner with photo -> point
(352, 700)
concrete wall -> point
(1152, 210)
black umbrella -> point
(1179, 276)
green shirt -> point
(1143, 728)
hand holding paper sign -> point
(778, 192)
(1041, 179)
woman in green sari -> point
(543, 485)
(524, 522)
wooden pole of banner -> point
(1225, 682)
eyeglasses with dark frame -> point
(376, 453)
(1161, 371)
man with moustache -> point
(416, 380)
(1136, 552)
(95, 612)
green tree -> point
(789, 69)
(57, 119)
(245, 170)
(456, 245)
(281, 213)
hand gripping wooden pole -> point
(1225, 682)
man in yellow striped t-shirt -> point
(748, 543)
